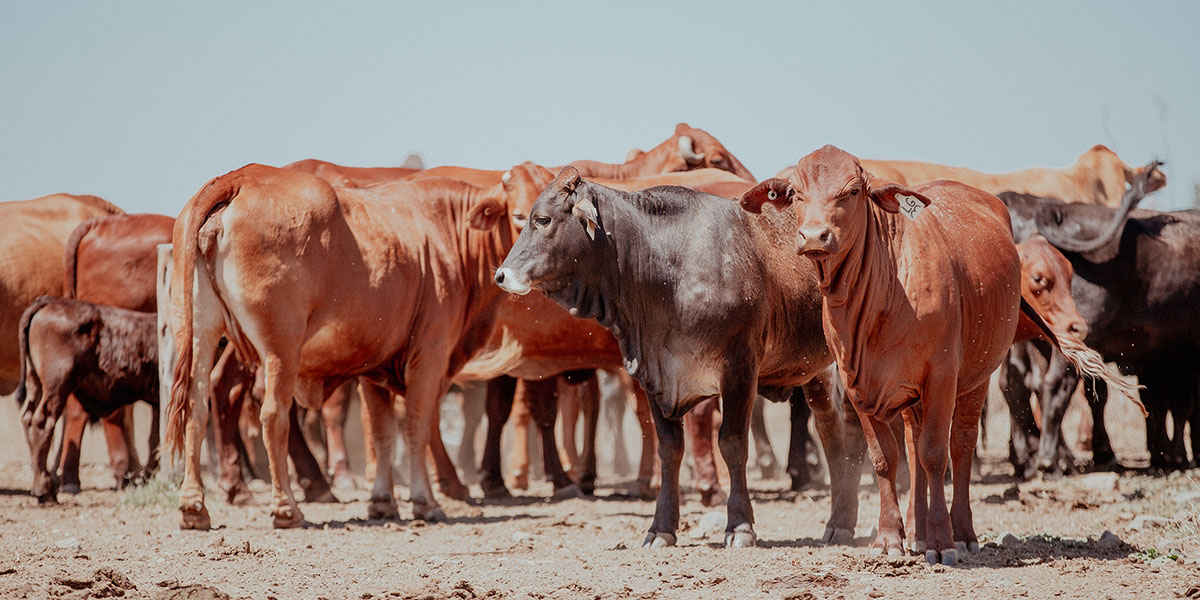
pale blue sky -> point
(141, 103)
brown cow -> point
(110, 260)
(918, 310)
(320, 284)
(106, 357)
(689, 148)
(1097, 177)
(33, 237)
(356, 176)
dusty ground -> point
(105, 544)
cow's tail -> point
(23, 340)
(70, 277)
(495, 362)
(1086, 360)
(186, 239)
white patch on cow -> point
(910, 206)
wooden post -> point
(166, 357)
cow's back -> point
(115, 261)
(34, 237)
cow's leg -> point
(568, 408)
(74, 422)
(153, 443)
(1055, 396)
(797, 466)
(543, 404)
(884, 457)
(666, 510)
(646, 470)
(937, 415)
(764, 455)
(1103, 457)
(698, 423)
(498, 404)
(227, 406)
(380, 423)
(447, 475)
(520, 446)
(118, 452)
(588, 392)
(613, 405)
(737, 396)
(334, 412)
(1156, 400)
(308, 471)
(1022, 445)
(843, 488)
(473, 410)
(963, 435)
(207, 328)
(425, 390)
(44, 402)
(280, 377)
(918, 499)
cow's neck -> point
(860, 288)
(646, 163)
(480, 254)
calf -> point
(918, 311)
(106, 357)
(703, 301)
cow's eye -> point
(541, 221)
(852, 193)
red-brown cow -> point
(320, 284)
(918, 310)
(356, 176)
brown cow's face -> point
(555, 243)
(1046, 285)
(523, 183)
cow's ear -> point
(894, 198)
(771, 191)
(486, 213)
(566, 181)
(585, 209)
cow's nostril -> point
(499, 276)
(826, 237)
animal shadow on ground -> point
(357, 523)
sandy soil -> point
(1042, 540)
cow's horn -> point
(687, 152)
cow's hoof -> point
(915, 547)
(949, 557)
(658, 540)
(286, 517)
(194, 517)
(588, 485)
(646, 491)
(382, 508)
(239, 495)
(494, 490)
(430, 513)
(567, 493)
(70, 488)
(456, 491)
(325, 496)
(741, 537)
(838, 536)
(47, 499)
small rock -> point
(1141, 522)
(1100, 482)
(711, 523)
(1009, 540)
(874, 593)
(67, 543)
(1187, 497)
(1011, 493)
(521, 537)
(1109, 538)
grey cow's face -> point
(553, 247)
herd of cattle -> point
(877, 296)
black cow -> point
(705, 300)
(1137, 283)
(107, 357)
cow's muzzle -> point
(815, 242)
(512, 282)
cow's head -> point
(522, 184)
(1113, 175)
(555, 246)
(696, 149)
(1046, 285)
(832, 195)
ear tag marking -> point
(910, 206)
